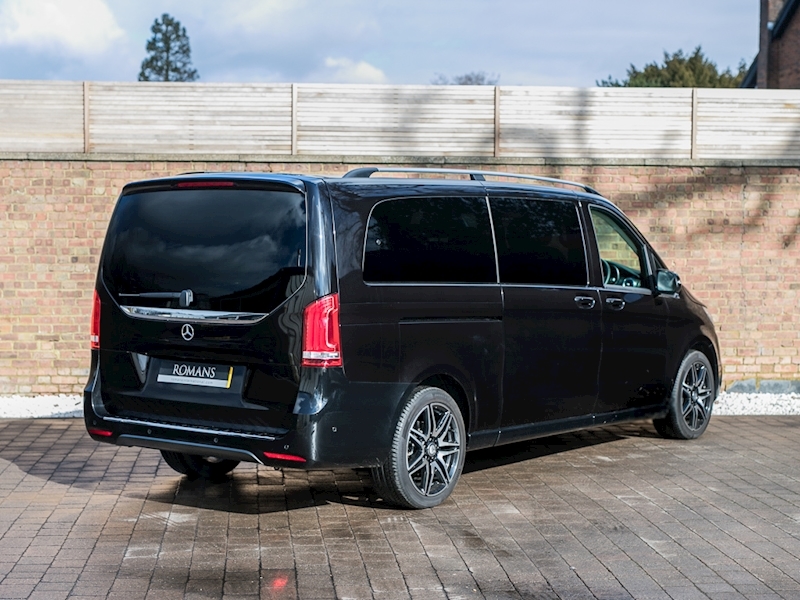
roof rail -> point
(366, 172)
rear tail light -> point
(322, 346)
(94, 333)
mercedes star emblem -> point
(187, 332)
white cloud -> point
(79, 27)
(249, 16)
(344, 70)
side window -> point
(620, 253)
(442, 240)
(539, 241)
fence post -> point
(496, 120)
(294, 119)
(693, 150)
(87, 141)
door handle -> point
(615, 303)
(586, 302)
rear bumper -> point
(354, 428)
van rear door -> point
(206, 283)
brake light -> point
(279, 456)
(322, 346)
(204, 184)
(94, 332)
(101, 432)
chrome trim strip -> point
(628, 289)
(427, 283)
(183, 315)
(142, 441)
(544, 286)
(190, 429)
(494, 240)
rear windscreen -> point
(236, 249)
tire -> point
(427, 452)
(691, 401)
(199, 467)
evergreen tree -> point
(680, 70)
(169, 57)
(471, 78)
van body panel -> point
(350, 431)
(634, 365)
(552, 348)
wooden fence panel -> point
(595, 122)
(383, 120)
(177, 118)
(395, 120)
(744, 124)
(41, 116)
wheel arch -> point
(706, 346)
(452, 382)
(451, 385)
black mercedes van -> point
(385, 322)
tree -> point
(471, 78)
(169, 56)
(680, 70)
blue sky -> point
(532, 42)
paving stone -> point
(613, 513)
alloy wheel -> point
(433, 449)
(697, 392)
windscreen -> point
(237, 250)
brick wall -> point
(731, 232)
(783, 66)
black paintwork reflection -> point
(552, 354)
(635, 349)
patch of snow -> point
(41, 407)
(757, 404)
(71, 406)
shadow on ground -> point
(60, 451)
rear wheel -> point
(691, 401)
(427, 453)
(199, 467)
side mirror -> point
(667, 282)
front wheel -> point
(199, 467)
(427, 453)
(691, 401)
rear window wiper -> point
(185, 297)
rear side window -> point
(236, 250)
(442, 240)
(539, 241)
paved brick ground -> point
(613, 513)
